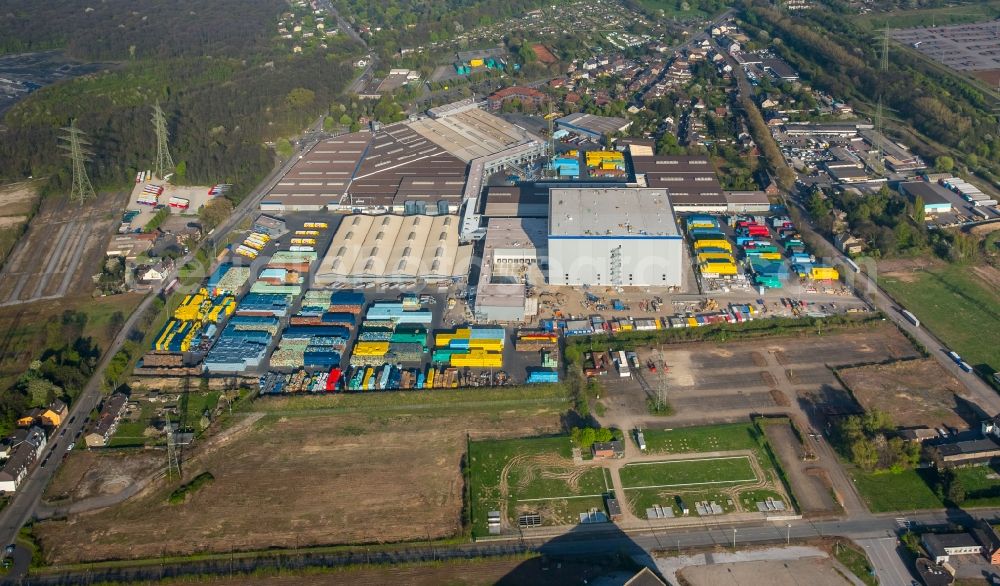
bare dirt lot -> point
(811, 488)
(17, 201)
(61, 250)
(300, 479)
(90, 473)
(920, 391)
(814, 571)
(711, 382)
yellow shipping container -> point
(719, 268)
(371, 348)
(476, 62)
(824, 274)
(699, 224)
(715, 256)
(770, 255)
(161, 341)
(699, 244)
(493, 345)
(692, 322)
(478, 359)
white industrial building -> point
(513, 254)
(616, 236)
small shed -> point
(614, 508)
(612, 449)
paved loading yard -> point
(60, 252)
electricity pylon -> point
(879, 156)
(164, 163)
(76, 151)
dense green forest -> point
(225, 86)
(127, 29)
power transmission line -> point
(164, 163)
(878, 156)
(77, 151)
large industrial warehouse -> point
(423, 166)
(620, 236)
(393, 248)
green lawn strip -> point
(960, 13)
(897, 491)
(856, 561)
(439, 399)
(644, 498)
(980, 490)
(130, 433)
(688, 473)
(957, 307)
(487, 460)
(709, 438)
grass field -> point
(960, 13)
(711, 438)
(688, 473)
(532, 474)
(956, 305)
(904, 491)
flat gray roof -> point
(929, 192)
(624, 212)
(595, 124)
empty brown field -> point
(91, 473)
(915, 392)
(310, 478)
(60, 251)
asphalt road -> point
(889, 567)
(878, 532)
(866, 284)
(22, 506)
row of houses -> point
(21, 449)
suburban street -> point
(866, 284)
(22, 506)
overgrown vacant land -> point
(958, 302)
(358, 469)
(920, 392)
